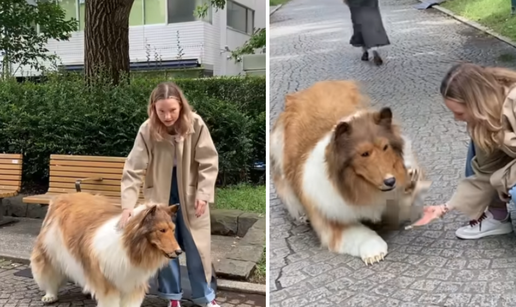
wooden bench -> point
(93, 174)
(10, 180)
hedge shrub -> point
(62, 116)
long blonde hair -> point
(483, 91)
(168, 90)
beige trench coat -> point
(495, 173)
(197, 169)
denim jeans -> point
(471, 154)
(169, 278)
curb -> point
(275, 9)
(222, 284)
(473, 24)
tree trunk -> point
(106, 38)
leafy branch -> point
(25, 30)
(256, 41)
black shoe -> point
(365, 56)
(377, 59)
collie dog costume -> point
(340, 163)
(80, 241)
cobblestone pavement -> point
(17, 291)
(424, 267)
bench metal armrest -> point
(79, 181)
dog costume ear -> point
(384, 117)
(343, 128)
(149, 214)
(172, 210)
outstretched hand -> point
(430, 213)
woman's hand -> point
(430, 213)
(126, 214)
(200, 207)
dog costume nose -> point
(179, 252)
(390, 182)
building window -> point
(70, 8)
(143, 12)
(136, 15)
(240, 17)
(155, 12)
(183, 10)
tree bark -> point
(106, 38)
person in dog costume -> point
(484, 98)
(175, 148)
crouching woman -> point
(176, 150)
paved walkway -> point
(425, 267)
(19, 291)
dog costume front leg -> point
(108, 299)
(133, 299)
(359, 241)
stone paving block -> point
(309, 42)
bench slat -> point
(10, 177)
(79, 175)
(44, 199)
(11, 166)
(10, 183)
(92, 191)
(10, 156)
(86, 169)
(106, 182)
(90, 186)
(115, 165)
(11, 161)
(87, 158)
(10, 174)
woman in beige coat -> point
(484, 98)
(174, 147)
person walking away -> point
(175, 149)
(368, 30)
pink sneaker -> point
(212, 304)
(173, 303)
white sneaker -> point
(212, 304)
(485, 226)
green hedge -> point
(61, 116)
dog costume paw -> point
(48, 299)
(373, 250)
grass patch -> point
(507, 58)
(277, 2)
(494, 14)
(259, 274)
(243, 197)
(247, 198)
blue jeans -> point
(169, 278)
(469, 157)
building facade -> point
(165, 33)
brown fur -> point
(148, 237)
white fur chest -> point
(114, 261)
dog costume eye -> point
(385, 147)
(163, 230)
(365, 154)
